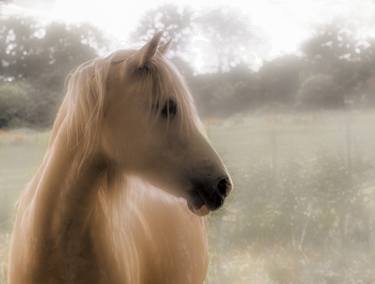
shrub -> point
(14, 100)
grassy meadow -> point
(303, 205)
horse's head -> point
(151, 129)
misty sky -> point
(282, 24)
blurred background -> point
(286, 90)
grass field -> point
(303, 206)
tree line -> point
(35, 60)
(333, 68)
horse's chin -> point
(197, 205)
(200, 211)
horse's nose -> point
(223, 186)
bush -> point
(321, 91)
(14, 100)
(23, 104)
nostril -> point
(223, 186)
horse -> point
(128, 177)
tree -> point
(40, 57)
(30, 50)
(225, 33)
(20, 50)
(175, 23)
(230, 36)
(334, 52)
(224, 94)
(14, 101)
(280, 79)
(366, 74)
(320, 90)
(65, 47)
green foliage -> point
(280, 79)
(35, 59)
(332, 66)
(24, 104)
(29, 50)
(320, 90)
(14, 99)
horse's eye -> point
(169, 109)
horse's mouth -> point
(201, 204)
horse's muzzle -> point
(208, 196)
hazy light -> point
(282, 24)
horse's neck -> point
(58, 214)
(64, 194)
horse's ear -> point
(163, 49)
(145, 54)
